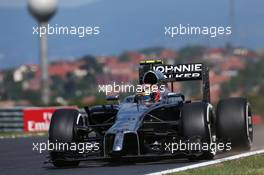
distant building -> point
(135, 57)
(168, 56)
(62, 68)
(214, 54)
(24, 72)
(232, 63)
(32, 84)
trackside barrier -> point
(35, 119)
(11, 119)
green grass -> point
(20, 134)
(253, 165)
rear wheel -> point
(234, 123)
(61, 130)
(198, 128)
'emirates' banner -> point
(38, 119)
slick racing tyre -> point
(61, 130)
(234, 123)
(197, 127)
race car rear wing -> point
(179, 72)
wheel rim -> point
(209, 124)
(249, 124)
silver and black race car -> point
(154, 124)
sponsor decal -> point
(181, 71)
(37, 120)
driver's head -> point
(151, 94)
(147, 98)
(155, 96)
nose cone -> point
(118, 142)
(122, 144)
(122, 137)
(117, 148)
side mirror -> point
(136, 99)
(112, 98)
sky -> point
(125, 25)
(61, 3)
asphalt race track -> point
(17, 157)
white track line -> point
(212, 162)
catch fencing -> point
(11, 120)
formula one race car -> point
(148, 125)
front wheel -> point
(234, 122)
(198, 128)
(61, 130)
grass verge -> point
(253, 165)
(20, 134)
